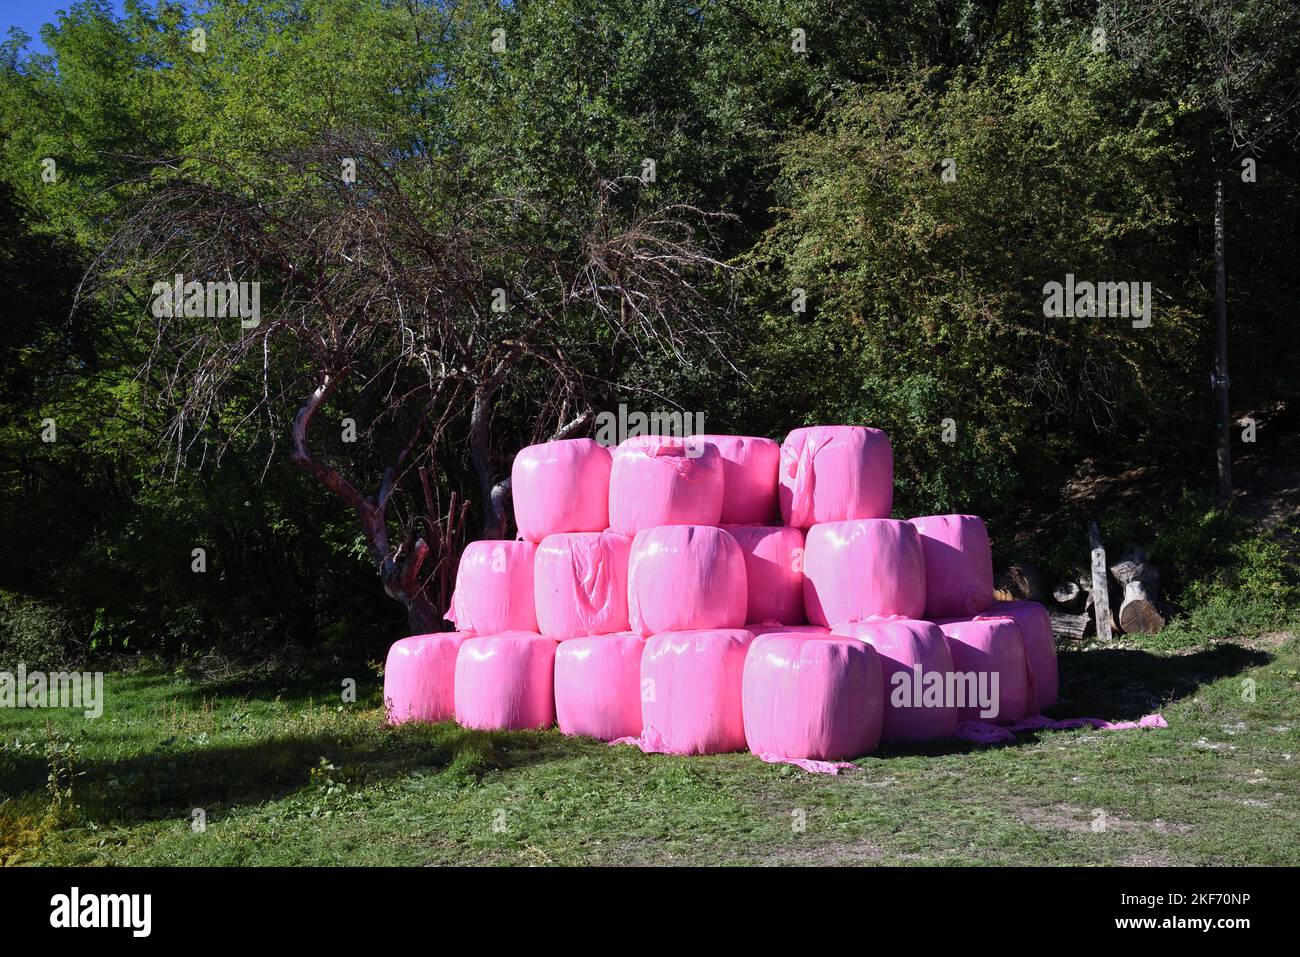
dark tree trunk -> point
(1224, 438)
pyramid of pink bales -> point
(725, 592)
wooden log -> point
(1134, 564)
(1100, 591)
(1140, 613)
(1068, 595)
(1020, 582)
(1069, 626)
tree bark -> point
(1100, 586)
(1223, 412)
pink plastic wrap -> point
(958, 565)
(915, 709)
(685, 577)
(773, 572)
(749, 467)
(986, 645)
(1036, 631)
(598, 686)
(580, 583)
(561, 486)
(494, 588)
(766, 628)
(506, 682)
(854, 570)
(419, 676)
(817, 698)
(832, 473)
(691, 691)
(664, 481)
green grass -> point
(287, 775)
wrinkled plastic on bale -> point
(749, 466)
(984, 645)
(905, 645)
(419, 676)
(1035, 626)
(494, 588)
(770, 628)
(832, 473)
(580, 583)
(958, 565)
(773, 572)
(598, 686)
(812, 697)
(561, 486)
(659, 480)
(859, 569)
(691, 691)
(506, 681)
(684, 578)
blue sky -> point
(30, 14)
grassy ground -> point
(287, 775)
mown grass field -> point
(286, 774)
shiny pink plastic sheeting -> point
(494, 588)
(854, 570)
(664, 481)
(749, 466)
(691, 691)
(811, 697)
(773, 572)
(419, 676)
(767, 628)
(506, 682)
(580, 584)
(982, 646)
(685, 577)
(598, 686)
(812, 767)
(981, 732)
(958, 565)
(561, 486)
(1035, 626)
(904, 645)
(832, 473)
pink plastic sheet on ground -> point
(685, 577)
(1035, 626)
(831, 473)
(598, 686)
(580, 584)
(561, 486)
(958, 565)
(982, 646)
(506, 681)
(749, 466)
(419, 677)
(494, 588)
(905, 645)
(664, 481)
(981, 732)
(773, 572)
(854, 570)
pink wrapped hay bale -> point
(983, 647)
(691, 690)
(1035, 626)
(773, 571)
(808, 631)
(494, 588)
(958, 565)
(854, 570)
(659, 480)
(749, 466)
(580, 584)
(505, 682)
(685, 577)
(561, 486)
(832, 473)
(419, 675)
(598, 686)
(911, 651)
(812, 697)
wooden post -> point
(1100, 587)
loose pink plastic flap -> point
(749, 467)
(982, 646)
(910, 650)
(958, 565)
(561, 486)
(773, 572)
(580, 584)
(691, 691)
(812, 697)
(831, 473)
(853, 570)
(685, 577)
(494, 588)
(419, 676)
(506, 681)
(664, 481)
(1035, 626)
(598, 686)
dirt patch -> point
(1067, 817)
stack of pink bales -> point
(724, 592)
